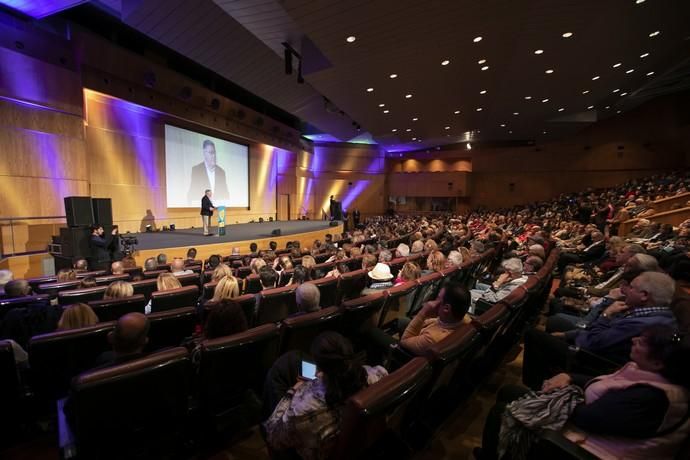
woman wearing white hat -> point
(380, 278)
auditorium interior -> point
(301, 229)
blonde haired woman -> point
(164, 282)
(227, 288)
(436, 262)
(77, 316)
(221, 271)
(118, 290)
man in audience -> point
(587, 254)
(402, 250)
(177, 268)
(380, 279)
(369, 261)
(162, 259)
(253, 249)
(150, 264)
(506, 282)
(385, 256)
(273, 246)
(128, 340)
(117, 268)
(267, 277)
(647, 301)
(81, 265)
(191, 255)
(308, 298)
(532, 265)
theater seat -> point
(276, 304)
(81, 295)
(134, 410)
(38, 280)
(231, 375)
(148, 274)
(208, 289)
(57, 357)
(298, 332)
(112, 309)
(396, 265)
(350, 285)
(106, 280)
(145, 287)
(171, 327)
(10, 391)
(134, 272)
(328, 288)
(21, 302)
(429, 286)
(399, 298)
(252, 285)
(191, 279)
(379, 410)
(363, 311)
(186, 296)
(246, 302)
(52, 289)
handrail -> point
(32, 218)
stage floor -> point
(235, 232)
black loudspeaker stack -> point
(102, 211)
(78, 211)
(75, 241)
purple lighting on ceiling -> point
(38, 9)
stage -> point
(176, 243)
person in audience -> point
(476, 249)
(129, 262)
(5, 277)
(161, 259)
(221, 271)
(308, 262)
(647, 301)
(77, 316)
(435, 262)
(380, 279)
(117, 268)
(532, 265)
(81, 265)
(409, 272)
(385, 256)
(308, 298)
(150, 264)
(177, 268)
(20, 324)
(300, 275)
(87, 282)
(118, 290)
(213, 262)
(305, 414)
(268, 278)
(506, 282)
(338, 270)
(537, 250)
(227, 288)
(369, 261)
(402, 250)
(638, 412)
(417, 247)
(589, 253)
(225, 318)
(128, 340)
(454, 259)
(256, 265)
(253, 249)
(191, 256)
(273, 246)
(66, 274)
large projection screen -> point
(195, 162)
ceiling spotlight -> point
(408, 129)
(415, 119)
(393, 75)
(516, 113)
(618, 111)
(456, 112)
(407, 96)
(654, 34)
(567, 35)
(538, 51)
(549, 71)
(596, 77)
(607, 107)
(616, 90)
(446, 62)
(528, 97)
(637, 2)
(351, 39)
(468, 146)
(545, 100)
(617, 64)
(649, 74)
(382, 105)
(369, 90)
(503, 125)
(482, 91)
(510, 132)
(394, 130)
(386, 111)
(447, 127)
(479, 109)
(543, 132)
(486, 67)
(590, 107)
(414, 138)
(561, 109)
(642, 56)
(630, 71)
(419, 140)
(477, 39)
(624, 94)
(481, 61)
(585, 91)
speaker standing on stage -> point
(207, 211)
(100, 247)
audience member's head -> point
(214, 261)
(87, 282)
(537, 250)
(369, 261)
(167, 281)
(162, 259)
(150, 264)
(17, 288)
(253, 247)
(455, 258)
(410, 272)
(308, 298)
(177, 265)
(380, 273)
(532, 264)
(300, 275)
(385, 256)
(272, 245)
(649, 289)
(225, 319)
(402, 250)
(118, 290)
(66, 274)
(256, 265)
(81, 265)
(455, 302)
(130, 335)
(308, 262)
(661, 349)
(417, 247)
(117, 268)
(220, 271)
(342, 372)
(191, 253)
(513, 267)
(129, 262)
(268, 277)
(227, 288)
(77, 316)
(436, 261)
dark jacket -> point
(200, 183)
(206, 206)
(100, 248)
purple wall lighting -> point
(38, 9)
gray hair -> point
(512, 266)
(455, 258)
(308, 297)
(659, 286)
(385, 256)
(537, 250)
(645, 262)
(403, 250)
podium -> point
(221, 220)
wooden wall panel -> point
(429, 184)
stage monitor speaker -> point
(102, 211)
(276, 232)
(78, 211)
(75, 242)
(333, 223)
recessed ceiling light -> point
(456, 112)
(351, 39)
(545, 100)
(624, 94)
(414, 138)
(590, 107)
(510, 132)
(548, 71)
(419, 140)
(561, 109)
(596, 77)
(393, 75)
(369, 90)
(447, 127)
(386, 111)
(482, 91)
(516, 113)
(616, 90)
(477, 39)
(538, 51)
(446, 62)
(630, 71)
(479, 109)
(607, 107)
(481, 61)
(637, 2)
(543, 132)
(382, 105)
(407, 96)
(408, 129)
(415, 119)
(394, 129)
(503, 125)
(649, 74)
(642, 56)
(567, 35)
(528, 97)
(486, 67)
(617, 64)
(654, 34)
(585, 91)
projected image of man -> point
(208, 175)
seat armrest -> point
(552, 444)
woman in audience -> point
(454, 259)
(338, 270)
(226, 289)
(164, 282)
(87, 282)
(436, 262)
(430, 245)
(306, 417)
(256, 264)
(221, 271)
(409, 272)
(300, 275)
(66, 274)
(308, 262)
(638, 412)
(118, 290)
(77, 316)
